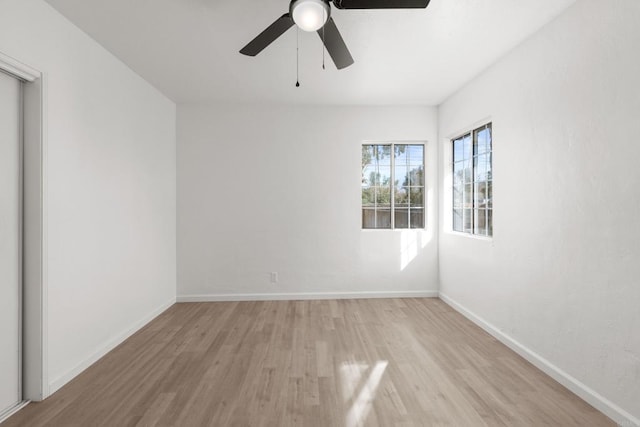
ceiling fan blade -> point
(335, 44)
(381, 4)
(268, 36)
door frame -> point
(34, 384)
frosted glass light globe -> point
(310, 15)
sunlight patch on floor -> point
(351, 374)
(355, 380)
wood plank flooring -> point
(394, 362)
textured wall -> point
(110, 187)
(561, 275)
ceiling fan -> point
(315, 15)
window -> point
(473, 182)
(393, 186)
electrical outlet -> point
(274, 277)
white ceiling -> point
(189, 48)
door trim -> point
(34, 384)
(18, 69)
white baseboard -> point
(306, 296)
(610, 409)
(57, 383)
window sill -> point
(470, 236)
(368, 230)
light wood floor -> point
(394, 362)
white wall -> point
(109, 188)
(561, 276)
(264, 189)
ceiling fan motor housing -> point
(310, 15)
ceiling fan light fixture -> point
(310, 15)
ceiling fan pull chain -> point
(297, 57)
(325, 20)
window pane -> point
(370, 178)
(368, 166)
(482, 143)
(468, 194)
(417, 218)
(368, 174)
(368, 217)
(458, 174)
(367, 154)
(457, 196)
(480, 222)
(483, 137)
(380, 176)
(489, 166)
(401, 218)
(458, 152)
(468, 177)
(383, 155)
(416, 155)
(383, 218)
(467, 220)
(457, 219)
(416, 176)
(481, 194)
(416, 196)
(400, 175)
(376, 175)
(368, 196)
(466, 147)
(480, 167)
(400, 153)
(478, 140)
(383, 195)
(401, 197)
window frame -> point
(392, 208)
(472, 133)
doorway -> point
(10, 243)
(23, 297)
